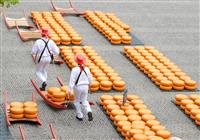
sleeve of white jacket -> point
(34, 48)
(72, 81)
(55, 49)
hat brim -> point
(79, 61)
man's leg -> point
(77, 93)
(85, 103)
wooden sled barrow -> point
(9, 119)
(66, 11)
(54, 137)
(22, 22)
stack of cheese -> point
(20, 110)
(159, 68)
(133, 119)
(60, 31)
(104, 76)
(190, 104)
(58, 95)
(110, 26)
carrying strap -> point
(46, 46)
(80, 75)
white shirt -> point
(83, 79)
(39, 46)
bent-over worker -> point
(44, 49)
(80, 81)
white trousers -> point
(81, 95)
(41, 69)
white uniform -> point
(41, 67)
(81, 89)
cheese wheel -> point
(178, 83)
(191, 106)
(118, 88)
(117, 112)
(190, 87)
(102, 79)
(107, 102)
(118, 97)
(178, 102)
(140, 122)
(106, 97)
(165, 87)
(151, 123)
(147, 117)
(118, 118)
(30, 104)
(190, 83)
(130, 112)
(135, 131)
(194, 96)
(149, 133)
(115, 78)
(119, 83)
(126, 107)
(16, 110)
(140, 106)
(64, 88)
(93, 89)
(197, 117)
(184, 102)
(53, 89)
(58, 99)
(59, 94)
(136, 101)
(197, 102)
(166, 83)
(134, 117)
(123, 123)
(132, 97)
(194, 112)
(155, 138)
(163, 133)
(112, 107)
(156, 128)
(110, 74)
(28, 110)
(180, 97)
(30, 116)
(140, 137)
(105, 88)
(144, 111)
(106, 84)
(178, 87)
(16, 104)
(197, 122)
(17, 116)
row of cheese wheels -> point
(104, 77)
(110, 26)
(190, 104)
(133, 119)
(58, 95)
(60, 31)
(159, 68)
(19, 110)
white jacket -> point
(83, 79)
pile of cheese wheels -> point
(133, 120)
(104, 77)
(110, 26)
(60, 31)
(191, 105)
(159, 68)
(19, 110)
(58, 95)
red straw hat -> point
(45, 32)
(80, 59)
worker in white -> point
(44, 49)
(80, 81)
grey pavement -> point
(171, 26)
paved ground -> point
(171, 26)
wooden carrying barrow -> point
(7, 112)
(54, 137)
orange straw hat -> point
(45, 32)
(80, 59)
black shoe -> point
(90, 118)
(80, 119)
(43, 86)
